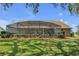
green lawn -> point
(38, 47)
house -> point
(39, 29)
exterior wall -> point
(67, 32)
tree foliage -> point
(77, 30)
(73, 8)
(34, 6)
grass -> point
(39, 47)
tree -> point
(73, 8)
(77, 30)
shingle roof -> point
(61, 23)
(58, 23)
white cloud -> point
(73, 26)
(66, 22)
(3, 23)
(61, 20)
(60, 14)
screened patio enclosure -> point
(35, 29)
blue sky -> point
(47, 12)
